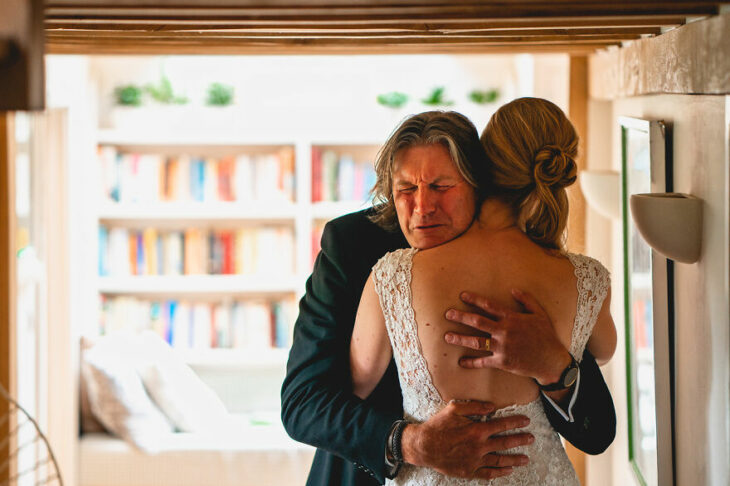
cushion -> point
(88, 422)
(186, 400)
(117, 396)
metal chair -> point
(29, 459)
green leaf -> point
(436, 98)
(394, 99)
(128, 95)
(219, 95)
(163, 93)
(484, 97)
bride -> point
(515, 242)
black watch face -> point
(570, 377)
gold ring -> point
(487, 344)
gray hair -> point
(449, 128)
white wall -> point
(701, 127)
(317, 97)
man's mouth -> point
(424, 227)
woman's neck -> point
(495, 215)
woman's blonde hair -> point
(532, 146)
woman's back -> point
(489, 263)
(414, 288)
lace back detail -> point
(549, 465)
(392, 277)
(593, 282)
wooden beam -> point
(203, 23)
(122, 29)
(364, 38)
(334, 10)
(77, 45)
(7, 277)
(578, 114)
(693, 59)
(21, 55)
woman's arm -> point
(602, 342)
(370, 350)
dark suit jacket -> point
(318, 407)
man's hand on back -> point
(452, 443)
(523, 343)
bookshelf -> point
(178, 216)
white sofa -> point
(265, 456)
(252, 450)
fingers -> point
(528, 302)
(480, 362)
(503, 424)
(492, 472)
(468, 408)
(506, 442)
(472, 342)
(471, 319)
(485, 304)
(504, 460)
(497, 465)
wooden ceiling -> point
(362, 27)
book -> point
(103, 257)
(149, 238)
(316, 174)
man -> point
(361, 442)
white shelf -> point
(202, 285)
(234, 358)
(186, 138)
(218, 212)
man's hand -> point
(452, 443)
(523, 343)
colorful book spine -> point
(245, 324)
(103, 260)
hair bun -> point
(554, 167)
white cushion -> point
(117, 396)
(188, 402)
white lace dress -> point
(549, 465)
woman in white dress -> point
(515, 244)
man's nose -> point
(425, 202)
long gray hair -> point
(449, 128)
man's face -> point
(433, 201)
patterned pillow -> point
(117, 396)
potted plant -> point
(219, 94)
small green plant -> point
(163, 93)
(436, 97)
(394, 99)
(484, 97)
(219, 95)
(128, 95)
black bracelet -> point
(395, 441)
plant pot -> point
(671, 223)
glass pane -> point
(644, 438)
(32, 454)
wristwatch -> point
(567, 378)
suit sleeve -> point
(594, 425)
(318, 407)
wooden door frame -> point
(7, 273)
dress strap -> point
(593, 282)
